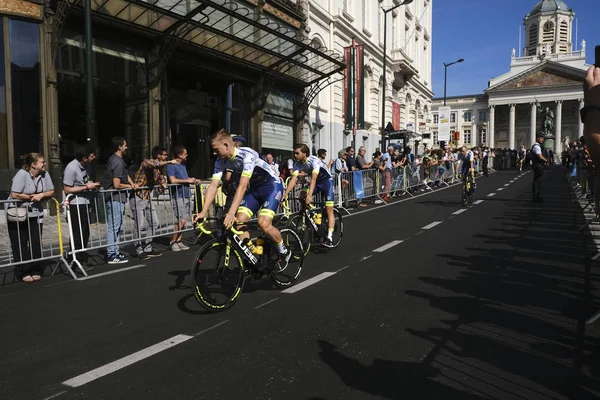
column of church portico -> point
(580, 123)
(491, 127)
(558, 129)
(533, 124)
(511, 127)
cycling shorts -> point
(265, 198)
(325, 186)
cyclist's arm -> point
(291, 184)
(209, 198)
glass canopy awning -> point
(231, 29)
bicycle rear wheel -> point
(465, 193)
(217, 286)
(290, 274)
(338, 228)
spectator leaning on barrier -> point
(144, 212)
(361, 161)
(31, 185)
(76, 182)
(322, 154)
(180, 196)
(388, 163)
(116, 181)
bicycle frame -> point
(232, 236)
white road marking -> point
(365, 258)
(126, 361)
(431, 225)
(341, 269)
(55, 395)
(478, 202)
(491, 194)
(593, 319)
(506, 185)
(462, 210)
(116, 271)
(387, 246)
(266, 303)
(308, 282)
(500, 189)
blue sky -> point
(483, 32)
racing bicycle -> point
(468, 189)
(223, 263)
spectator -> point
(30, 185)
(180, 195)
(378, 165)
(350, 161)
(274, 166)
(76, 181)
(340, 167)
(361, 161)
(144, 212)
(322, 154)
(388, 164)
(117, 181)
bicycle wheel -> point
(338, 228)
(289, 275)
(217, 286)
(465, 194)
(303, 229)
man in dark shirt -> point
(116, 181)
(350, 160)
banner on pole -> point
(444, 125)
(396, 115)
(348, 114)
(360, 84)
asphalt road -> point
(424, 299)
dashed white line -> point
(500, 189)
(491, 194)
(85, 278)
(266, 303)
(506, 185)
(431, 225)
(341, 269)
(387, 246)
(365, 258)
(459, 211)
(55, 395)
(308, 282)
(478, 202)
(126, 361)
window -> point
(482, 116)
(468, 116)
(453, 117)
(483, 136)
(436, 118)
(467, 136)
(548, 34)
(533, 40)
(394, 38)
(380, 16)
(24, 41)
(435, 138)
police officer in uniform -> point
(538, 160)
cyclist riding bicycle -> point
(467, 164)
(259, 187)
(521, 155)
(321, 180)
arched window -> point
(548, 34)
(563, 37)
(533, 39)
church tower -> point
(548, 29)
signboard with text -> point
(444, 125)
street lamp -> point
(446, 65)
(385, 13)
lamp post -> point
(385, 13)
(446, 65)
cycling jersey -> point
(467, 161)
(522, 154)
(247, 162)
(312, 165)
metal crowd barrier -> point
(92, 215)
(23, 242)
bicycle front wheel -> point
(300, 225)
(289, 275)
(218, 276)
(338, 227)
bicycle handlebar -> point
(208, 232)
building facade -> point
(544, 84)
(164, 72)
(335, 24)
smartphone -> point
(597, 60)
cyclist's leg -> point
(326, 187)
(245, 211)
(270, 196)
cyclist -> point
(521, 154)
(467, 164)
(321, 180)
(258, 187)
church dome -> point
(549, 5)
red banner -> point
(396, 115)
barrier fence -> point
(95, 220)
